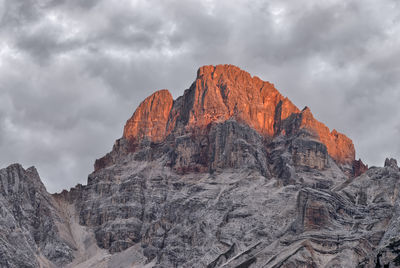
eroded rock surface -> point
(231, 174)
(339, 147)
(239, 217)
(225, 92)
(29, 220)
(150, 118)
(390, 162)
(359, 168)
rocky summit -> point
(225, 92)
(231, 174)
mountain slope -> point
(231, 174)
(29, 222)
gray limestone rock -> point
(223, 198)
(391, 163)
(28, 222)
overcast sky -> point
(73, 71)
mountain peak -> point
(150, 119)
(231, 164)
(224, 92)
(228, 71)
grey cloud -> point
(19, 13)
(72, 72)
(43, 44)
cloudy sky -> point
(73, 71)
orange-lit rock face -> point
(150, 118)
(225, 91)
(339, 146)
(222, 92)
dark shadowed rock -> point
(391, 163)
(339, 147)
(359, 168)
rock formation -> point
(359, 168)
(150, 119)
(391, 163)
(29, 222)
(231, 174)
(225, 92)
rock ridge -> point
(225, 92)
(231, 174)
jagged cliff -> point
(225, 92)
(30, 224)
(231, 174)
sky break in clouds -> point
(73, 71)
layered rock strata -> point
(231, 174)
(147, 215)
(30, 224)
